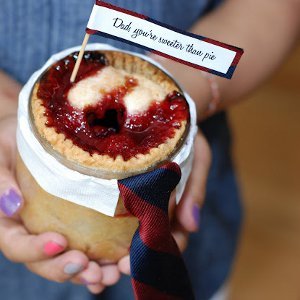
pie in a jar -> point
(122, 115)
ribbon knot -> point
(157, 269)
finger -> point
(19, 246)
(8, 142)
(10, 196)
(188, 209)
(62, 267)
(111, 275)
(91, 277)
(181, 236)
(96, 288)
(124, 265)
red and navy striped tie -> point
(157, 268)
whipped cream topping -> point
(91, 90)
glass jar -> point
(98, 235)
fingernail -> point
(196, 214)
(71, 268)
(85, 282)
(10, 202)
(52, 248)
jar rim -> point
(94, 171)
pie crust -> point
(109, 167)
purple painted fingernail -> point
(10, 202)
(196, 214)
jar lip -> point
(93, 171)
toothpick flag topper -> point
(187, 48)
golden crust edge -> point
(105, 163)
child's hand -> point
(43, 254)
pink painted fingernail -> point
(10, 202)
(52, 248)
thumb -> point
(10, 195)
(188, 211)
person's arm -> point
(266, 30)
(43, 254)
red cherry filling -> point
(106, 128)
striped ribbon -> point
(157, 268)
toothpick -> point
(79, 58)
